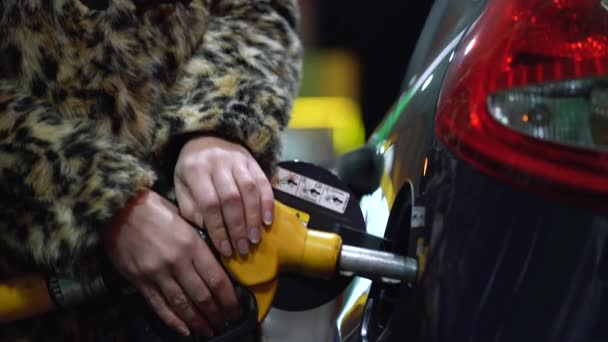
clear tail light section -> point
(526, 97)
(572, 113)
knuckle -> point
(217, 283)
(169, 259)
(211, 207)
(192, 164)
(216, 154)
(214, 224)
(267, 191)
(253, 217)
(179, 301)
(236, 224)
(152, 297)
(210, 153)
(232, 198)
(179, 255)
(268, 203)
(149, 268)
(184, 243)
(249, 186)
(261, 178)
(174, 257)
(267, 197)
(203, 299)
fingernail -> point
(184, 331)
(243, 247)
(254, 235)
(225, 249)
(267, 218)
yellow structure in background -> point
(340, 114)
(329, 98)
(340, 73)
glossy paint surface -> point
(500, 263)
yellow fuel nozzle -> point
(24, 297)
(287, 245)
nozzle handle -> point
(286, 245)
(24, 297)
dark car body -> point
(498, 262)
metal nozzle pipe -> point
(376, 265)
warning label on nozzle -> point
(309, 189)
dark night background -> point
(382, 34)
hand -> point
(221, 187)
(166, 260)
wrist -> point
(121, 216)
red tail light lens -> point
(526, 97)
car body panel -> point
(499, 263)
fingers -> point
(180, 304)
(219, 184)
(265, 191)
(199, 294)
(232, 210)
(209, 203)
(161, 254)
(159, 305)
(217, 282)
(251, 201)
(187, 206)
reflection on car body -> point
(500, 139)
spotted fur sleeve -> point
(60, 182)
(241, 83)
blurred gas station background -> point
(356, 54)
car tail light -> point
(526, 97)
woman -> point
(124, 124)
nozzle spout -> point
(377, 265)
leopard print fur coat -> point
(94, 102)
